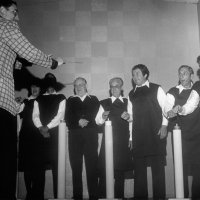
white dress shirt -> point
(191, 104)
(99, 119)
(55, 121)
(170, 101)
(83, 97)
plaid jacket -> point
(12, 42)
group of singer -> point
(140, 125)
(140, 122)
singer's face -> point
(184, 76)
(35, 90)
(115, 89)
(138, 77)
(80, 87)
(10, 13)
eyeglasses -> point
(116, 86)
(79, 85)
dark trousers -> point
(193, 170)
(46, 159)
(186, 173)
(8, 155)
(158, 178)
(40, 176)
(35, 183)
(53, 158)
(54, 168)
(118, 184)
(83, 143)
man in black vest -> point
(189, 123)
(81, 111)
(117, 109)
(48, 111)
(149, 133)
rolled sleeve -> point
(161, 96)
(99, 119)
(60, 115)
(191, 104)
(36, 115)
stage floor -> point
(120, 199)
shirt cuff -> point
(182, 112)
(54, 64)
(49, 126)
(165, 121)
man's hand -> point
(125, 116)
(44, 131)
(19, 100)
(56, 62)
(177, 109)
(83, 122)
(163, 132)
(105, 115)
(171, 114)
(60, 61)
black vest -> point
(120, 127)
(77, 109)
(48, 106)
(180, 99)
(147, 120)
(190, 126)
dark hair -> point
(7, 3)
(34, 83)
(198, 59)
(49, 81)
(143, 69)
(50, 75)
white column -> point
(109, 160)
(178, 162)
(61, 159)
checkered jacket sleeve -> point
(18, 43)
(12, 42)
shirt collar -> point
(31, 97)
(114, 98)
(181, 88)
(146, 83)
(46, 93)
(83, 97)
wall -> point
(100, 39)
(198, 10)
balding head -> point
(80, 86)
(116, 86)
(116, 81)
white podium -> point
(61, 160)
(109, 160)
(178, 164)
